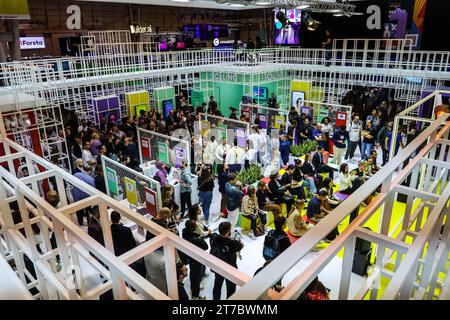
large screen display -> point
(260, 93)
(289, 34)
(207, 31)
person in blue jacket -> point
(285, 149)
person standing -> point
(234, 197)
(197, 270)
(235, 158)
(185, 188)
(221, 153)
(285, 149)
(354, 130)
(383, 140)
(205, 190)
(369, 135)
(86, 176)
(226, 249)
(86, 154)
(181, 274)
(339, 144)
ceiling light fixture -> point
(236, 5)
(263, 3)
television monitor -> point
(260, 93)
(298, 99)
(290, 34)
(167, 106)
(207, 31)
(181, 45)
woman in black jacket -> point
(197, 270)
(279, 194)
(280, 234)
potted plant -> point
(298, 151)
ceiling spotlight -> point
(311, 24)
(236, 5)
(263, 3)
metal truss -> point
(318, 6)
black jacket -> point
(286, 179)
(308, 169)
(233, 247)
(100, 183)
(317, 161)
(276, 193)
(123, 239)
(198, 241)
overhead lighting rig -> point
(318, 6)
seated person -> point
(322, 167)
(315, 211)
(296, 226)
(264, 201)
(278, 193)
(298, 174)
(250, 210)
(310, 175)
(360, 172)
(292, 185)
(373, 157)
(347, 180)
(328, 185)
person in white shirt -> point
(354, 130)
(86, 154)
(209, 154)
(221, 152)
(235, 158)
(346, 180)
(256, 141)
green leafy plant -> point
(301, 149)
(250, 175)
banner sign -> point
(262, 120)
(131, 191)
(241, 139)
(279, 120)
(145, 148)
(150, 201)
(206, 126)
(221, 133)
(111, 177)
(341, 119)
(180, 154)
(32, 43)
(163, 152)
(323, 113)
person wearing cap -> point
(288, 181)
(233, 114)
(339, 144)
(277, 193)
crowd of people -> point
(307, 184)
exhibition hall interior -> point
(224, 150)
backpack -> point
(271, 248)
(220, 251)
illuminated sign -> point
(32, 43)
(140, 29)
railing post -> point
(347, 264)
(171, 270)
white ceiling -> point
(208, 4)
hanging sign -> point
(323, 113)
(262, 120)
(221, 132)
(131, 191)
(163, 152)
(180, 154)
(150, 201)
(111, 177)
(145, 148)
(341, 119)
(279, 120)
(206, 126)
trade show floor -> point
(252, 258)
